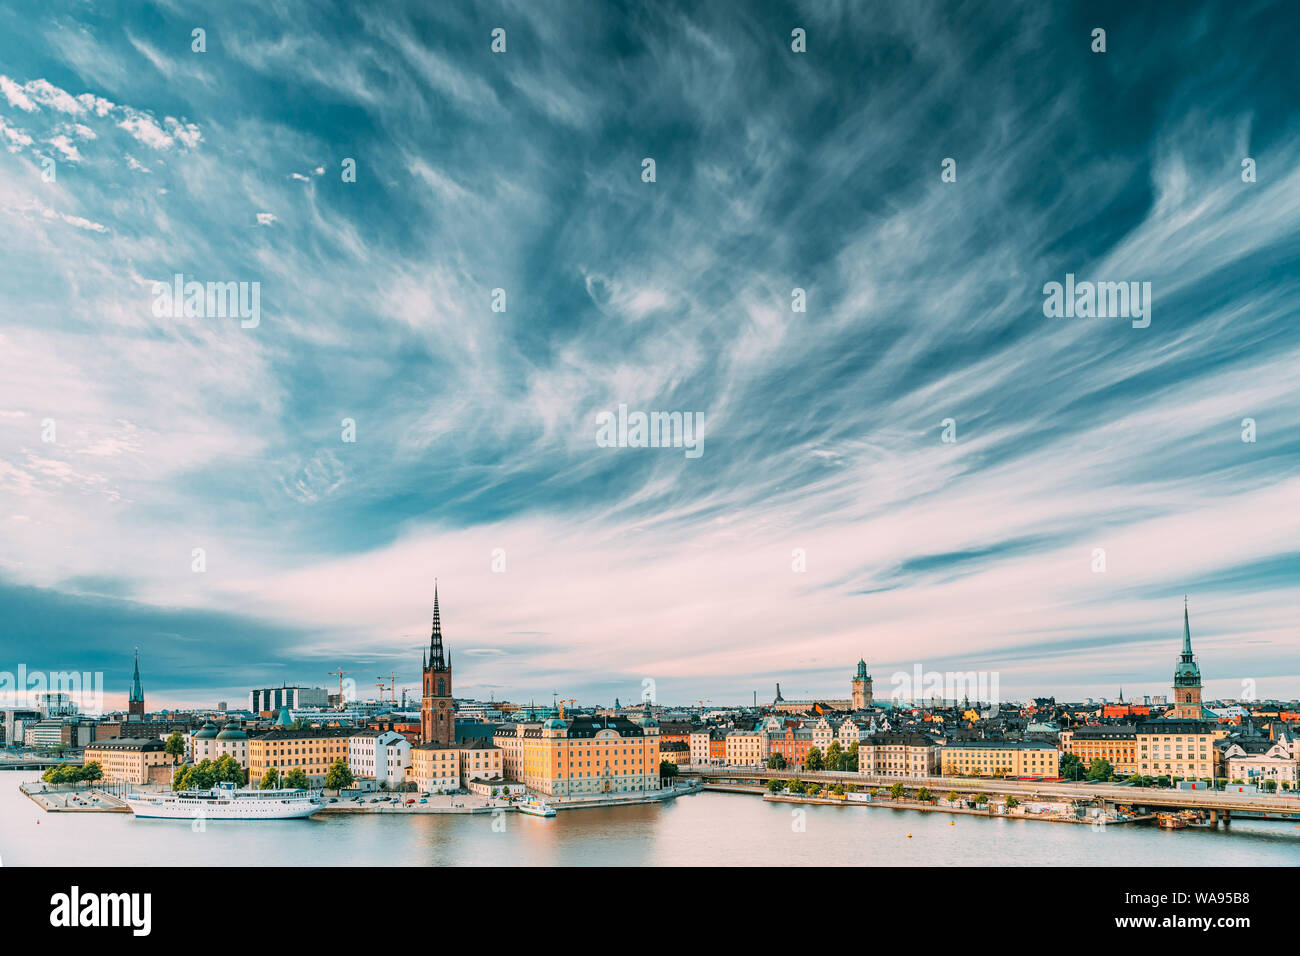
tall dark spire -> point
(437, 659)
(137, 692)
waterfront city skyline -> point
(827, 518)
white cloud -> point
(265, 218)
(16, 95)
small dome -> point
(554, 724)
(207, 732)
(232, 733)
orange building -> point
(582, 754)
(1116, 744)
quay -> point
(1217, 805)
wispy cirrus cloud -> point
(474, 430)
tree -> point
(814, 760)
(837, 789)
(835, 756)
(775, 786)
(228, 770)
(982, 799)
(814, 788)
(796, 786)
(851, 758)
(1071, 767)
(270, 779)
(339, 775)
(175, 746)
(923, 794)
(1012, 803)
(1100, 769)
(897, 791)
(296, 779)
(776, 762)
(952, 796)
(667, 768)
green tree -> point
(339, 776)
(814, 761)
(851, 758)
(923, 794)
(776, 762)
(228, 770)
(1070, 767)
(270, 779)
(835, 756)
(982, 799)
(897, 790)
(175, 746)
(1012, 803)
(952, 796)
(796, 786)
(1100, 769)
(837, 789)
(775, 786)
(296, 779)
(814, 788)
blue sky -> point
(475, 430)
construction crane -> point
(706, 700)
(339, 674)
(571, 700)
(392, 687)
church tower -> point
(1187, 678)
(861, 687)
(437, 717)
(135, 703)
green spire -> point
(1186, 673)
(137, 692)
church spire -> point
(437, 659)
(1187, 632)
(137, 692)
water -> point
(702, 829)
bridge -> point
(1216, 802)
(36, 763)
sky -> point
(1095, 471)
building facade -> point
(999, 758)
(1178, 748)
(311, 750)
(136, 761)
(582, 755)
(1116, 744)
(903, 754)
(382, 756)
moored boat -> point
(536, 807)
(225, 802)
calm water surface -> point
(701, 829)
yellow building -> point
(582, 754)
(1179, 748)
(136, 761)
(999, 758)
(312, 750)
(435, 767)
(1116, 744)
(747, 748)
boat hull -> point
(223, 810)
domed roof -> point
(207, 732)
(554, 724)
(232, 732)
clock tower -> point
(437, 713)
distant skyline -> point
(128, 439)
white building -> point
(1272, 760)
(379, 755)
(207, 743)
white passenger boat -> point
(225, 802)
(536, 807)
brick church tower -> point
(437, 715)
(1187, 679)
